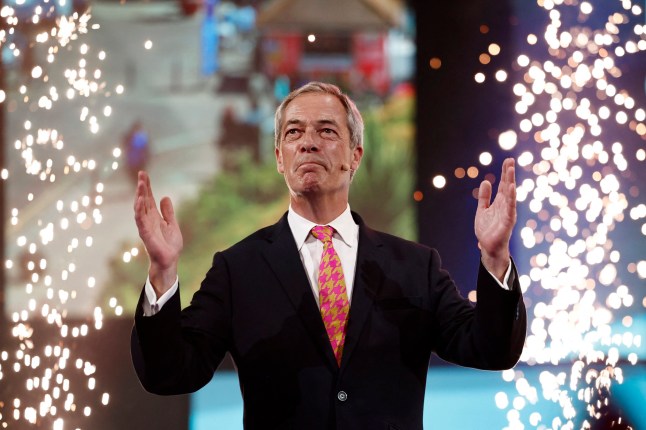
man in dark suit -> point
(326, 333)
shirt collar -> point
(344, 226)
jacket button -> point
(342, 396)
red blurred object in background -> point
(190, 7)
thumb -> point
(484, 195)
(167, 211)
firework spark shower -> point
(52, 381)
(580, 140)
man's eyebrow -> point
(327, 121)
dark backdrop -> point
(457, 119)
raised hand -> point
(160, 232)
(494, 222)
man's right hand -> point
(160, 233)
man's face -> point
(314, 153)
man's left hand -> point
(495, 221)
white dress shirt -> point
(345, 241)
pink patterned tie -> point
(332, 293)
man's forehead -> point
(320, 120)
(315, 107)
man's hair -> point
(353, 116)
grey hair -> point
(353, 116)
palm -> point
(494, 222)
(158, 229)
(163, 240)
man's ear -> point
(279, 161)
(357, 154)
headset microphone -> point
(345, 167)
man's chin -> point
(309, 188)
(306, 185)
(310, 179)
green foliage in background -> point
(227, 209)
(382, 189)
(250, 196)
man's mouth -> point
(310, 164)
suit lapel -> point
(367, 282)
(282, 256)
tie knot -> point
(323, 233)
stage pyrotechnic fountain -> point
(579, 140)
(580, 148)
(48, 380)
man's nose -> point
(308, 143)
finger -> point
(511, 178)
(143, 219)
(503, 174)
(512, 201)
(167, 211)
(510, 175)
(512, 183)
(140, 191)
(140, 214)
(141, 176)
(484, 195)
(150, 198)
(507, 176)
(510, 188)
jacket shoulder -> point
(398, 247)
(257, 239)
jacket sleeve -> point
(489, 335)
(177, 352)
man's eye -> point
(291, 132)
(328, 130)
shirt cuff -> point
(505, 281)
(151, 304)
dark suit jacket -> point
(256, 303)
